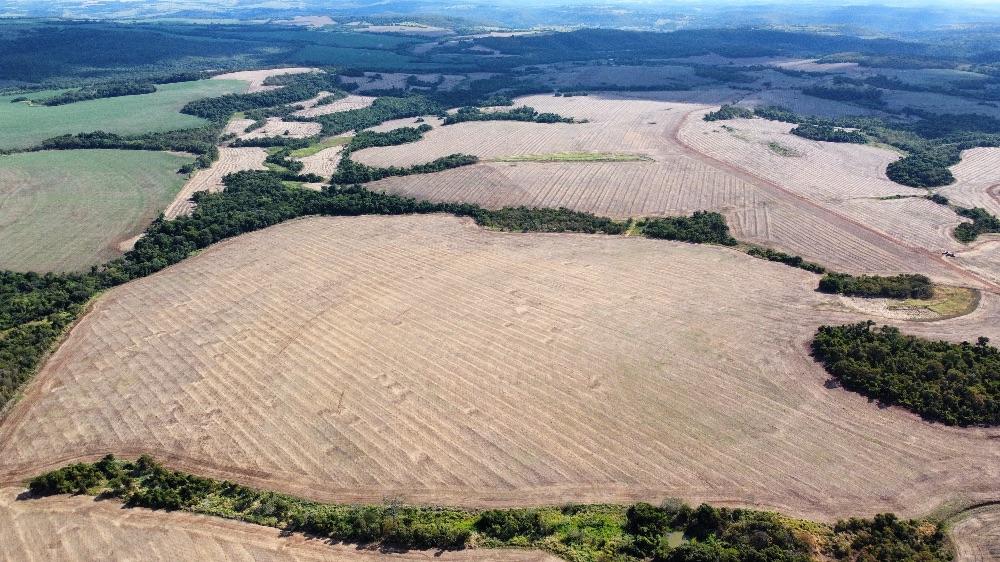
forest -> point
(671, 532)
(523, 113)
(955, 384)
(96, 92)
(905, 286)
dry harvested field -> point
(977, 180)
(323, 163)
(976, 535)
(277, 127)
(825, 200)
(798, 102)
(567, 76)
(69, 528)
(345, 104)
(983, 257)
(255, 78)
(424, 358)
(230, 160)
(237, 126)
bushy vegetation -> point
(523, 113)
(982, 223)
(727, 112)
(303, 86)
(828, 133)
(787, 259)
(863, 96)
(906, 286)
(97, 92)
(574, 532)
(351, 172)
(955, 384)
(703, 227)
(369, 139)
(200, 141)
(383, 109)
(923, 169)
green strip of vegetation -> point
(906, 286)
(97, 92)
(828, 134)
(35, 308)
(955, 384)
(200, 141)
(787, 259)
(672, 532)
(383, 109)
(523, 113)
(319, 146)
(350, 172)
(297, 88)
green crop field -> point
(23, 125)
(68, 210)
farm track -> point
(420, 357)
(838, 220)
(70, 528)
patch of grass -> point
(948, 301)
(322, 145)
(23, 125)
(67, 210)
(781, 150)
(576, 157)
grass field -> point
(23, 125)
(320, 146)
(67, 210)
(426, 359)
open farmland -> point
(276, 127)
(230, 160)
(976, 535)
(347, 103)
(977, 180)
(424, 358)
(71, 528)
(23, 125)
(68, 210)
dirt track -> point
(424, 358)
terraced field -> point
(424, 358)
(68, 210)
(230, 160)
(70, 528)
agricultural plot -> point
(230, 160)
(596, 76)
(426, 359)
(254, 79)
(798, 102)
(345, 104)
(68, 210)
(976, 535)
(842, 185)
(72, 528)
(977, 180)
(23, 125)
(277, 127)
(323, 163)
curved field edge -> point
(673, 531)
(261, 473)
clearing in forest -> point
(210, 179)
(426, 359)
(66, 210)
(23, 125)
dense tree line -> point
(218, 109)
(906, 286)
(727, 112)
(955, 384)
(383, 109)
(524, 113)
(982, 223)
(828, 133)
(704, 227)
(370, 139)
(200, 141)
(787, 259)
(575, 532)
(97, 92)
(351, 172)
(866, 97)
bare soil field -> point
(237, 126)
(837, 184)
(70, 528)
(255, 78)
(323, 163)
(230, 160)
(977, 180)
(976, 535)
(277, 127)
(345, 104)
(426, 359)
